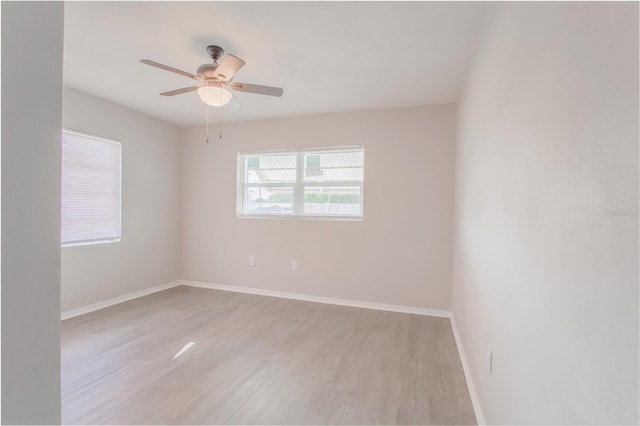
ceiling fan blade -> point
(234, 103)
(170, 69)
(180, 91)
(228, 67)
(256, 88)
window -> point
(90, 189)
(320, 183)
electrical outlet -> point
(489, 360)
(294, 265)
(252, 261)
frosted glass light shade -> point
(214, 95)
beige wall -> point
(399, 254)
(149, 253)
(31, 110)
(546, 241)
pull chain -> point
(219, 119)
(220, 114)
(207, 123)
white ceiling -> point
(328, 56)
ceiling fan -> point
(216, 79)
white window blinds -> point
(90, 189)
(324, 183)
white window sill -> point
(90, 243)
(298, 217)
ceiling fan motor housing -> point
(207, 71)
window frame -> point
(95, 241)
(298, 186)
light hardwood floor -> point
(250, 359)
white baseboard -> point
(321, 299)
(114, 301)
(475, 401)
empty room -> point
(320, 213)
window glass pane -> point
(269, 200)
(332, 200)
(271, 169)
(345, 166)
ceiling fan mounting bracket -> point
(215, 52)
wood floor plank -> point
(198, 356)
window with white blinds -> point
(90, 189)
(318, 183)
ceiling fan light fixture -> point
(214, 95)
